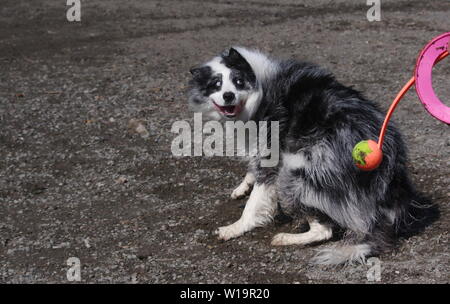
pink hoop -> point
(423, 77)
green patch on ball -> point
(360, 151)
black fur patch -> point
(239, 66)
(205, 81)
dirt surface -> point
(75, 181)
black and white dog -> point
(320, 121)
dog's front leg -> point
(258, 211)
(245, 187)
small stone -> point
(136, 126)
(62, 245)
(122, 180)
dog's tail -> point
(356, 249)
(343, 254)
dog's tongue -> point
(229, 110)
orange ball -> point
(366, 155)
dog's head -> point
(224, 88)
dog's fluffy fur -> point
(320, 121)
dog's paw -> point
(281, 239)
(285, 239)
(228, 232)
(241, 191)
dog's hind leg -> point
(245, 187)
(258, 211)
(317, 232)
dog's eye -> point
(218, 83)
(239, 82)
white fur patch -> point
(346, 254)
(258, 211)
(251, 105)
(262, 66)
(244, 188)
(317, 233)
(294, 160)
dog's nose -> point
(228, 97)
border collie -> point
(320, 121)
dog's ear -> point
(234, 59)
(233, 54)
(195, 70)
(199, 72)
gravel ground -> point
(76, 180)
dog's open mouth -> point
(229, 111)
